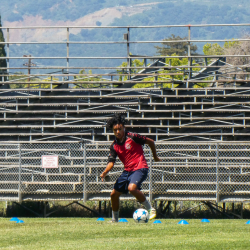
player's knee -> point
(114, 194)
(132, 188)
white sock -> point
(115, 215)
(147, 204)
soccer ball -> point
(141, 216)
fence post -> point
(129, 62)
(67, 49)
(189, 54)
(20, 176)
(8, 52)
(84, 181)
(217, 173)
(150, 178)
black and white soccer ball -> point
(141, 216)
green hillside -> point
(164, 13)
(13, 10)
(174, 12)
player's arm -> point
(111, 162)
(151, 144)
(107, 169)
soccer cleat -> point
(152, 213)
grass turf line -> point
(87, 233)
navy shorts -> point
(126, 178)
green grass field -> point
(77, 233)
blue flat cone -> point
(205, 220)
(14, 219)
(20, 221)
(183, 222)
(157, 222)
(100, 219)
(122, 220)
(248, 222)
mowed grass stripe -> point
(87, 233)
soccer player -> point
(128, 147)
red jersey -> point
(130, 152)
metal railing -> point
(128, 39)
(217, 172)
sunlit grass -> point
(77, 233)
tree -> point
(179, 48)
(134, 63)
(3, 63)
(239, 48)
(230, 48)
(88, 77)
(166, 80)
(213, 49)
(21, 77)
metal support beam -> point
(215, 208)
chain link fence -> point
(64, 171)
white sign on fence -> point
(50, 161)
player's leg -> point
(120, 187)
(136, 179)
(115, 195)
(133, 189)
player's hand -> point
(103, 174)
(157, 159)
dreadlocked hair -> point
(116, 119)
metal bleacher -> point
(200, 122)
(206, 171)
